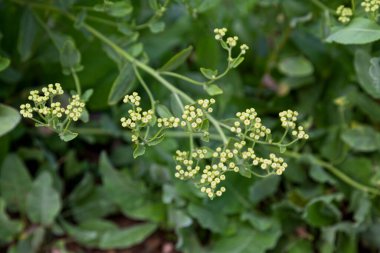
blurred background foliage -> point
(91, 194)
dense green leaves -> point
(359, 31)
(9, 118)
(43, 202)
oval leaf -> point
(359, 31)
(177, 60)
(125, 238)
(121, 86)
(296, 66)
(9, 118)
(43, 202)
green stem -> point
(146, 88)
(76, 81)
(335, 171)
(353, 5)
(184, 78)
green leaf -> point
(321, 211)
(128, 237)
(263, 188)
(15, 182)
(365, 69)
(248, 240)
(363, 139)
(177, 60)
(209, 73)
(120, 8)
(214, 90)
(4, 63)
(70, 57)
(120, 187)
(122, 84)
(27, 34)
(163, 111)
(237, 62)
(139, 150)
(8, 228)
(87, 95)
(178, 218)
(359, 31)
(43, 202)
(213, 220)
(9, 118)
(67, 135)
(157, 27)
(297, 66)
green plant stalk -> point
(77, 82)
(146, 88)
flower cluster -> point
(232, 41)
(288, 121)
(244, 48)
(45, 106)
(220, 33)
(137, 117)
(74, 110)
(251, 123)
(195, 114)
(344, 13)
(47, 112)
(171, 122)
(371, 5)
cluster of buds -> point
(171, 122)
(232, 41)
(49, 110)
(251, 124)
(243, 48)
(74, 110)
(220, 33)
(137, 117)
(344, 13)
(288, 119)
(195, 114)
(300, 133)
(371, 5)
(185, 169)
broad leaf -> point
(43, 202)
(122, 84)
(15, 182)
(27, 34)
(127, 237)
(296, 66)
(248, 240)
(9, 118)
(366, 69)
(359, 31)
(213, 220)
(363, 139)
